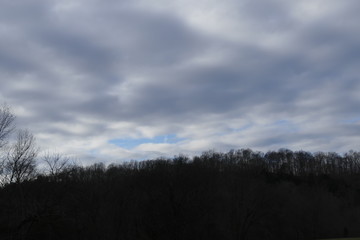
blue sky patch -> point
(130, 143)
(352, 120)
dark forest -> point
(241, 194)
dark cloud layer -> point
(82, 73)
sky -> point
(114, 81)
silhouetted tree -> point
(6, 123)
(55, 163)
(19, 162)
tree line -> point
(19, 157)
(236, 195)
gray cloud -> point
(80, 73)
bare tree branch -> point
(56, 163)
(20, 161)
(6, 123)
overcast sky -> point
(119, 80)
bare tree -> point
(56, 163)
(6, 123)
(20, 161)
